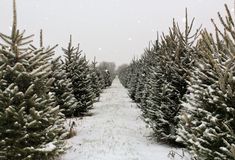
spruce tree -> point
(63, 89)
(146, 61)
(123, 75)
(140, 84)
(158, 80)
(101, 79)
(107, 70)
(96, 79)
(207, 119)
(166, 66)
(134, 75)
(79, 72)
(31, 124)
(107, 77)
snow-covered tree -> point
(101, 79)
(31, 124)
(62, 86)
(207, 122)
(63, 89)
(107, 70)
(146, 61)
(123, 75)
(134, 76)
(158, 80)
(78, 71)
(96, 79)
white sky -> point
(111, 30)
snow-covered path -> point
(114, 132)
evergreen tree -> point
(145, 104)
(158, 80)
(145, 63)
(134, 75)
(78, 71)
(122, 73)
(175, 58)
(207, 121)
(63, 89)
(61, 86)
(101, 79)
(31, 125)
(96, 79)
(107, 78)
(140, 84)
(107, 70)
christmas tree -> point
(78, 71)
(134, 75)
(158, 80)
(31, 123)
(146, 61)
(107, 70)
(123, 75)
(63, 89)
(96, 79)
(207, 120)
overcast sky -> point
(111, 30)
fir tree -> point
(63, 89)
(207, 120)
(96, 79)
(123, 75)
(30, 122)
(140, 85)
(134, 75)
(107, 70)
(158, 80)
(145, 63)
(167, 64)
(107, 78)
(78, 71)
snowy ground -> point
(115, 132)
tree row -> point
(184, 84)
(38, 91)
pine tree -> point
(134, 75)
(101, 79)
(107, 78)
(107, 70)
(207, 120)
(145, 105)
(123, 75)
(146, 61)
(30, 122)
(165, 67)
(155, 112)
(140, 84)
(78, 71)
(63, 89)
(96, 79)
(158, 80)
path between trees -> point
(114, 132)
